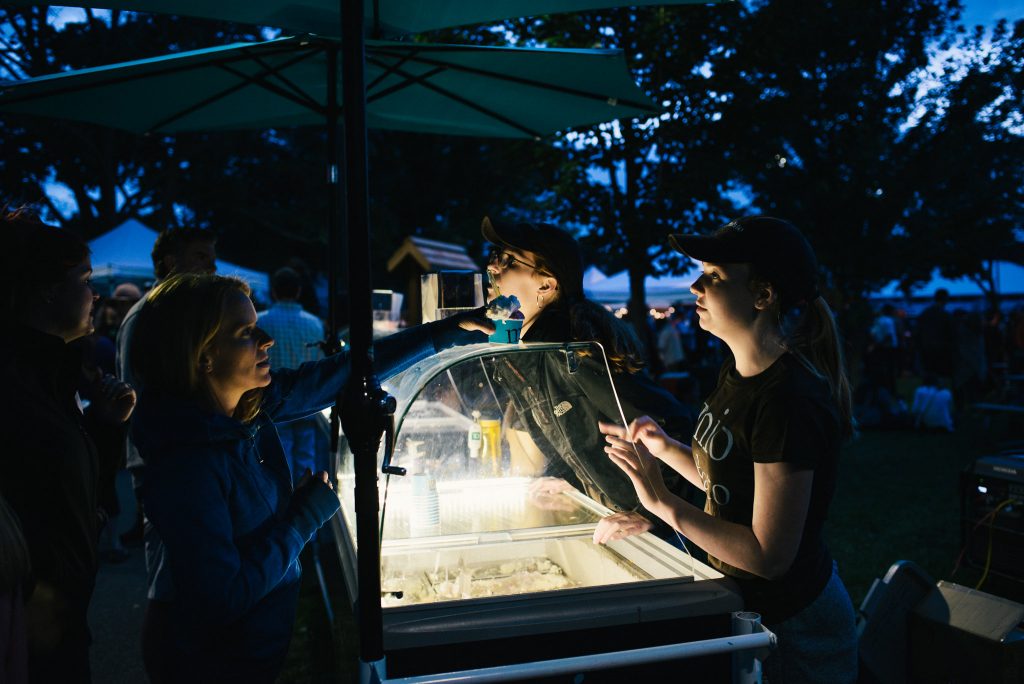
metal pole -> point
(334, 211)
(746, 665)
(363, 404)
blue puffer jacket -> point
(219, 494)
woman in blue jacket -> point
(218, 489)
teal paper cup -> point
(506, 332)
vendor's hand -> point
(547, 493)
(475, 321)
(113, 401)
(620, 526)
(645, 430)
(636, 461)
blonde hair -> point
(813, 338)
(177, 325)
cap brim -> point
(501, 233)
(702, 248)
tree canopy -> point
(889, 134)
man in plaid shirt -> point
(297, 335)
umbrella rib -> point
(389, 70)
(461, 100)
(103, 82)
(260, 80)
(246, 80)
(291, 85)
(515, 79)
(409, 80)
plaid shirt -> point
(294, 331)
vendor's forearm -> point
(680, 459)
(729, 542)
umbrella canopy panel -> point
(444, 89)
(383, 17)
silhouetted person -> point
(936, 337)
(51, 479)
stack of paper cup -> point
(426, 509)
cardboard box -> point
(960, 634)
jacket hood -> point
(162, 421)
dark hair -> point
(941, 295)
(14, 557)
(589, 321)
(36, 256)
(181, 318)
(286, 284)
(173, 241)
(813, 338)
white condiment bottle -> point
(475, 439)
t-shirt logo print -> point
(717, 441)
(714, 438)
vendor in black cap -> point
(542, 265)
(766, 445)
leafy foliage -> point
(838, 115)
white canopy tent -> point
(661, 292)
(1009, 279)
(123, 253)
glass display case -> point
(490, 528)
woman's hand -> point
(475, 321)
(546, 493)
(113, 401)
(644, 429)
(308, 479)
(314, 499)
(637, 462)
(620, 526)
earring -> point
(540, 301)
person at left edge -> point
(218, 488)
(49, 465)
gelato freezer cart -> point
(483, 562)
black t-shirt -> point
(783, 415)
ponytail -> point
(815, 341)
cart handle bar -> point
(765, 639)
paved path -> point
(115, 616)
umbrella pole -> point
(364, 405)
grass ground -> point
(897, 499)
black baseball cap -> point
(558, 249)
(774, 247)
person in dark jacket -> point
(50, 478)
(218, 488)
(14, 570)
(542, 265)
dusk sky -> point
(990, 11)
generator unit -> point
(992, 513)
